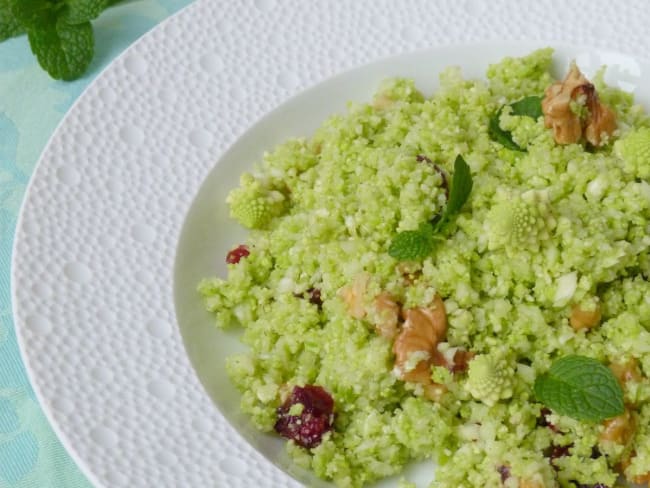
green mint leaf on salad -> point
(461, 187)
(412, 245)
(9, 24)
(63, 50)
(528, 106)
(497, 134)
(417, 244)
(581, 388)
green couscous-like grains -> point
(544, 229)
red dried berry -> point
(558, 452)
(316, 418)
(504, 471)
(543, 421)
(314, 297)
(313, 294)
(237, 254)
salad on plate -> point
(461, 277)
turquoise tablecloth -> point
(31, 106)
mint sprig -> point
(461, 187)
(497, 134)
(528, 106)
(63, 50)
(9, 24)
(59, 31)
(417, 244)
(412, 245)
(81, 11)
(581, 388)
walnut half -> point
(568, 126)
(424, 328)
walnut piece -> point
(387, 310)
(619, 429)
(584, 319)
(530, 484)
(639, 479)
(416, 342)
(569, 127)
(353, 296)
(626, 371)
(423, 329)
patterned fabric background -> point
(31, 106)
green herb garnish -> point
(59, 31)
(417, 244)
(581, 388)
(9, 25)
(412, 245)
(528, 106)
(461, 186)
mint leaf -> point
(412, 245)
(80, 11)
(418, 244)
(9, 24)
(33, 13)
(497, 134)
(530, 106)
(461, 186)
(581, 388)
(63, 50)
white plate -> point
(95, 246)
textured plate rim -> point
(19, 330)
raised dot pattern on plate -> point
(92, 237)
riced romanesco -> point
(489, 379)
(634, 150)
(255, 204)
(521, 221)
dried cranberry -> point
(543, 421)
(237, 254)
(558, 452)
(504, 471)
(316, 418)
(313, 294)
(314, 297)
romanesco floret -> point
(489, 379)
(634, 150)
(255, 204)
(521, 221)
